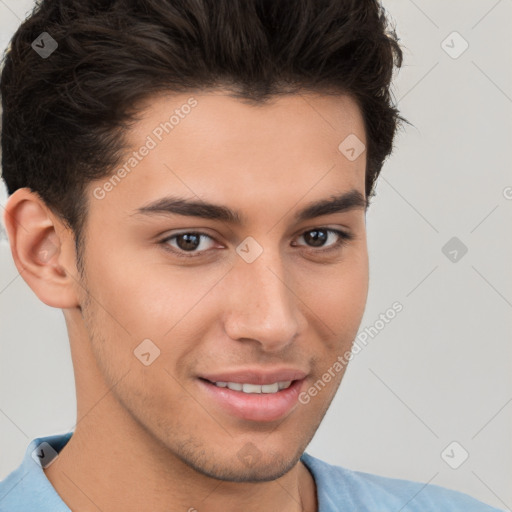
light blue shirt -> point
(27, 489)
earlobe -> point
(42, 249)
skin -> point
(147, 437)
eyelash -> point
(343, 238)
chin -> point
(239, 472)
(241, 467)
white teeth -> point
(255, 388)
(251, 388)
(270, 388)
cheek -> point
(336, 318)
(338, 295)
(145, 298)
(347, 298)
(152, 300)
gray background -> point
(440, 371)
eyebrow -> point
(173, 205)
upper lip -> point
(256, 376)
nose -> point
(262, 306)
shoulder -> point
(26, 487)
(338, 486)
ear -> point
(42, 248)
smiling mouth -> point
(249, 388)
(254, 402)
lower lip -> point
(255, 406)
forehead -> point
(217, 147)
(222, 117)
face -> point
(267, 298)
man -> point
(189, 182)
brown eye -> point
(318, 237)
(187, 243)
